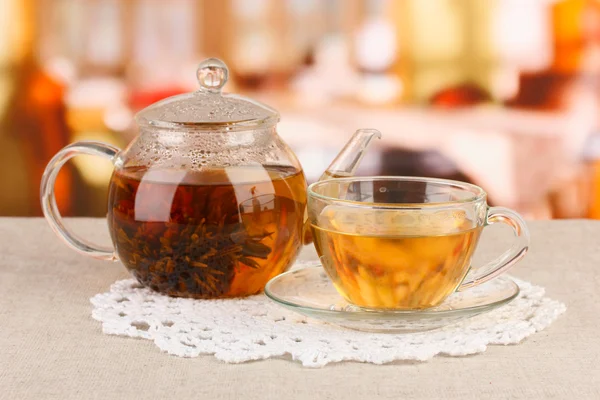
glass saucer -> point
(309, 291)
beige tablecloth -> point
(50, 347)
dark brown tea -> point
(207, 234)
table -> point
(50, 347)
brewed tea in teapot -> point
(217, 236)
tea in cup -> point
(405, 243)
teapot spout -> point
(347, 161)
(344, 165)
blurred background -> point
(501, 93)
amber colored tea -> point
(394, 260)
(207, 234)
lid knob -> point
(212, 75)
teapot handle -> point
(48, 198)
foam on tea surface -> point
(395, 258)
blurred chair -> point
(427, 163)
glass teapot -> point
(207, 201)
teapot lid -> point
(208, 108)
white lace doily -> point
(255, 328)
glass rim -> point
(208, 126)
(478, 193)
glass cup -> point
(405, 243)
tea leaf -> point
(239, 236)
(198, 264)
(254, 249)
(215, 272)
(249, 262)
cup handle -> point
(48, 198)
(508, 258)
